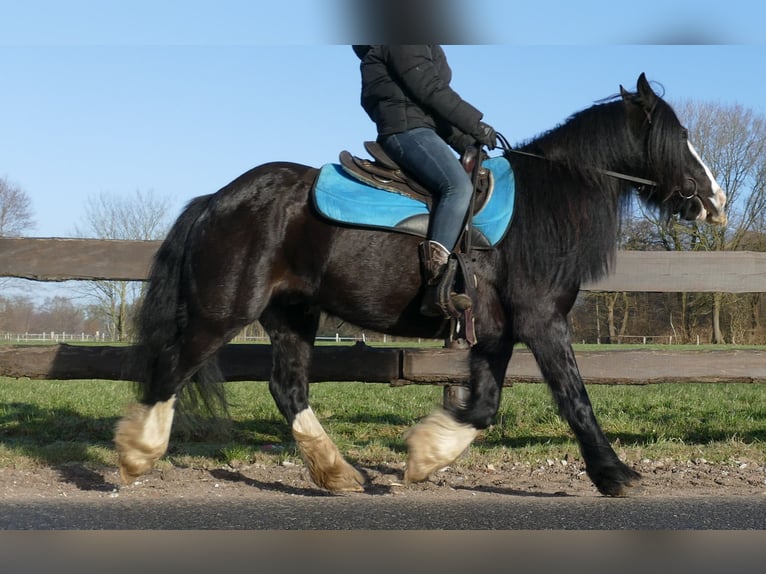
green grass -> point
(57, 422)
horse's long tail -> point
(162, 318)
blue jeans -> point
(429, 159)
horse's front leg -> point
(442, 436)
(555, 357)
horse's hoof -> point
(435, 442)
(130, 471)
(352, 482)
(343, 478)
(418, 472)
(618, 482)
(327, 467)
(141, 438)
(623, 490)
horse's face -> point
(700, 198)
(686, 185)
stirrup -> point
(450, 306)
(451, 303)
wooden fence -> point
(55, 259)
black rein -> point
(639, 180)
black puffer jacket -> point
(406, 87)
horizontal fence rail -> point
(53, 259)
(398, 365)
(56, 259)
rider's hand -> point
(485, 135)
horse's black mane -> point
(566, 207)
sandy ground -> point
(549, 478)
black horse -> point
(257, 250)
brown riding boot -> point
(433, 260)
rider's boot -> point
(433, 260)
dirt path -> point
(551, 478)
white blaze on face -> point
(719, 197)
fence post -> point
(455, 396)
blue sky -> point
(182, 96)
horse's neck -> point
(583, 207)
(594, 139)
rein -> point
(507, 148)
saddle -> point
(384, 173)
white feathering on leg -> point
(142, 437)
(434, 443)
(326, 465)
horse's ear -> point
(624, 93)
(644, 89)
(646, 97)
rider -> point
(420, 120)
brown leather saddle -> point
(383, 173)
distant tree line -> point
(680, 318)
(20, 314)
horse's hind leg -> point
(142, 437)
(143, 434)
(292, 329)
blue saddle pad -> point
(343, 199)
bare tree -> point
(15, 214)
(17, 314)
(59, 314)
(141, 215)
(732, 142)
(732, 139)
(15, 210)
